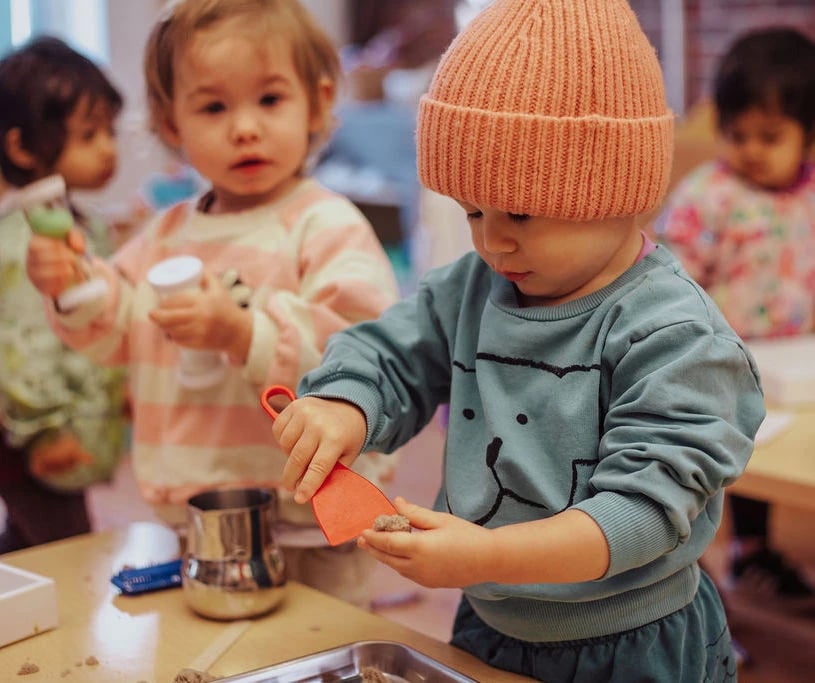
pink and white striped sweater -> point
(308, 265)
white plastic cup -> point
(197, 369)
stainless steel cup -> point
(232, 567)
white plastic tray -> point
(28, 604)
(787, 369)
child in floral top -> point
(744, 227)
(63, 417)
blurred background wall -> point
(710, 26)
(689, 36)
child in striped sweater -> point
(244, 91)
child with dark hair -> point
(44, 86)
(63, 417)
(744, 228)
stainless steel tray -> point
(401, 663)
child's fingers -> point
(289, 434)
(365, 543)
(50, 265)
(391, 543)
(420, 517)
(83, 457)
(285, 434)
(53, 286)
(210, 281)
(59, 455)
(76, 241)
(315, 474)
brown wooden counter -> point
(782, 470)
(150, 637)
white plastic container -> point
(787, 369)
(28, 604)
(196, 369)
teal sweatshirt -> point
(637, 404)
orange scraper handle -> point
(274, 390)
(346, 503)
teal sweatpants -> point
(691, 645)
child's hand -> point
(207, 318)
(58, 455)
(446, 552)
(315, 433)
(52, 264)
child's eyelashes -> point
(217, 106)
(213, 108)
(514, 217)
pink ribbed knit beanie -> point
(549, 108)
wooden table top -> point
(148, 638)
(782, 470)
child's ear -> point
(19, 155)
(321, 116)
(168, 133)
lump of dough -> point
(193, 676)
(391, 523)
(369, 673)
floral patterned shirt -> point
(44, 386)
(753, 250)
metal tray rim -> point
(351, 655)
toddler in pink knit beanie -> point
(598, 401)
(549, 108)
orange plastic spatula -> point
(346, 503)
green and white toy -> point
(46, 209)
(56, 222)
